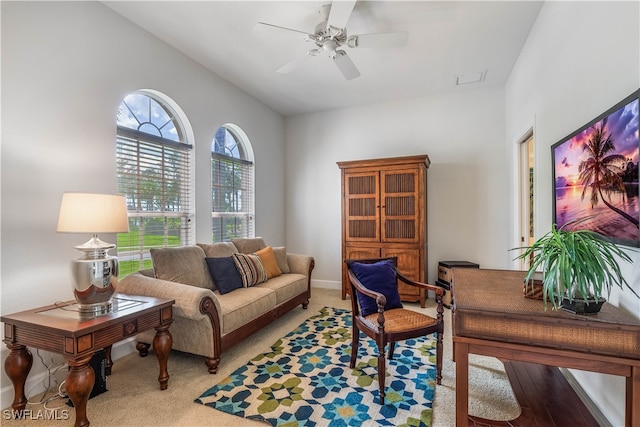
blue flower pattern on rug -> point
(305, 380)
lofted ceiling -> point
(446, 39)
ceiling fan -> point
(330, 36)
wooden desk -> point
(492, 318)
(60, 328)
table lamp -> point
(96, 273)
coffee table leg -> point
(80, 382)
(462, 384)
(17, 366)
(162, 343)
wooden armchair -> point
(391, 324)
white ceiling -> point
(446, 38)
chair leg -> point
(392, 347)
(439, 357)
(355, 339)
(382, 373)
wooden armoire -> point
(384, 214)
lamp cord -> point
(47, 383)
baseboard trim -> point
(326, 284)
(586, 400)
(35, 383)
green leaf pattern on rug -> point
(367, 372)
(285, 393)
(337, 336)
(305, 380)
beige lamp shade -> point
(93, 213)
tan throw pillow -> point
(250, 268)
(249, 245)
(281, 256)
(182, 265)
(269, 261)
(218, 249)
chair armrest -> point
(188, 298)
(300, 264)
(437, 289)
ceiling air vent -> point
(467, 78)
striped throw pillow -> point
(250, 268)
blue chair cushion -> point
(224, 273)
(379, 277)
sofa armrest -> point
(188, 298)
(300, 264)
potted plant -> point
(578, 267)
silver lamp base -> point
(97, 309)
(95, 276)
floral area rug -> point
(305, 380)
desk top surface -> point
(489, 305)
(501, 291)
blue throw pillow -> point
(224, 273)
(379, 277)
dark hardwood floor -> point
(545, 397)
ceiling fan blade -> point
(263, 26)
(340, 13)
(398, 39)
(287, 68)
(346, 65)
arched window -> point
(232, 189)
(154, 173)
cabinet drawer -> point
(444, 274)
(445, 269)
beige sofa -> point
(208, 321)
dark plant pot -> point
(580, 306)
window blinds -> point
(232, 198)
(154, 176)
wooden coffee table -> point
(61, 328)
(492, 318)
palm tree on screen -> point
(601, 172)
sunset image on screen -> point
(596, 176)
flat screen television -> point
(595, 175)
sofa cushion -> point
(250, 268)
(281, 257)
(379, 277)
(249, 245)
(286, 286)
(269, 261)
(244, 305)
(218, 249)
(224, 273)
(182, 265)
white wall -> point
(580, 59)
(463, 134)
(65, 68)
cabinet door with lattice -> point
(362, 202)
(400, 204)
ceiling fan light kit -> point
(330, 36)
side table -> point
(61, 328)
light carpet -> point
(305, 380)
